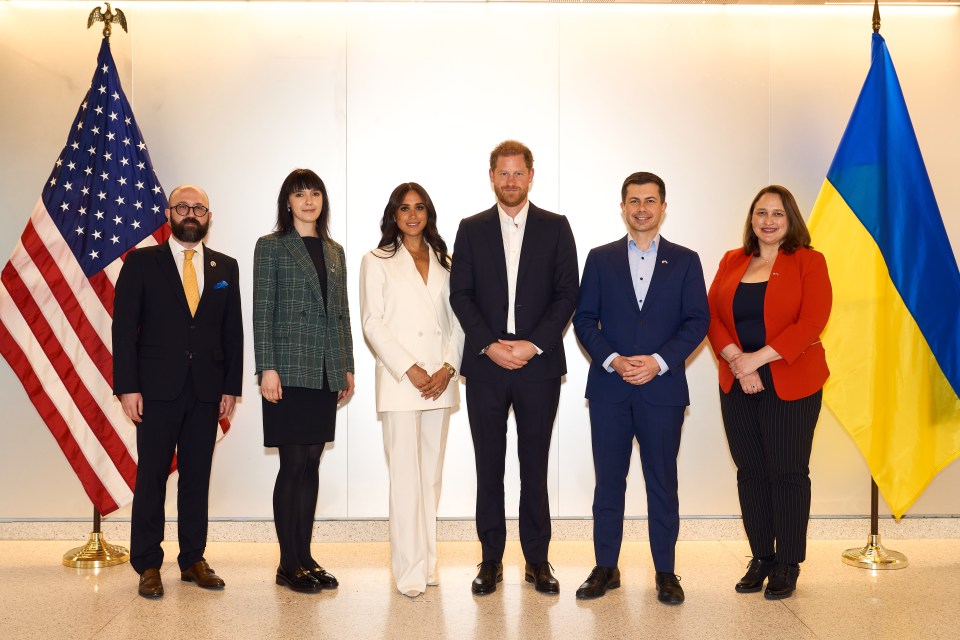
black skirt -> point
(302, 416)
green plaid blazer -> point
(294, 332)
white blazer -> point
(407, 322)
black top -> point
(748, 315)
(315, 249)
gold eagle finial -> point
(107, 17)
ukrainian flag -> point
(893, 340)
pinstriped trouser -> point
(770, 441)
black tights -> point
(295, 503)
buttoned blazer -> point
(295, 332)
(546, 294)
(796, 307)
(407, 322)
(156, 342)
(672, 322)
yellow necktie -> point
(190, 286)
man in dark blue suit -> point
(513, 286)
(642, 311)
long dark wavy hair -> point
(392, 237)
(302, 180)
(797, 234)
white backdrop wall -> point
(719, 101)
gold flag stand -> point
(97, 552)
(874, 555)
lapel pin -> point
(776, 273)
(213, 263)
(664, 262)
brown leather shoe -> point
(150, 584)
(201, 573)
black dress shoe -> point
(669, 590)
(757, 572)
(782, 583)
(301, 581)
(541, 576)
(601, 579)
(150, 584)
(487, 578)
(324, 577)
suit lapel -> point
(295, 246)
(530, 231)
(435, 278)
(170, 274)
(494, 238)
(407, 269)
(666, 257)
(213, 273)
(621, 266)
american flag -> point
(56, 301)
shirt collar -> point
(519, 220)
(653, 244)
(177, 249)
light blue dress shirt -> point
(642, 264)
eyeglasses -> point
(198, 210)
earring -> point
(288, 208)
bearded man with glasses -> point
(177, 368)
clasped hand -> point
(744, 367)
(637, 370)
(430, 387)
(511, 354)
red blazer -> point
(795, 311)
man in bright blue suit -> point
(642, 311)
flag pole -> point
(98, 552)
(874, 555)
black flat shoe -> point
(782, 583)
(541, 576)
(757, 571)
(600, 580)
(302, 581)
(487, 578)
(669, 590)
(324, 577)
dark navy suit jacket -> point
(673, 322)
(546, 291)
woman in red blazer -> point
(769, 302)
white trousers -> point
(414, 442)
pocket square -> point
(223, 284)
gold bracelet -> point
(450, 369)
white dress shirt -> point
(512, 230)
(178, 250)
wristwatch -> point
(450, 369)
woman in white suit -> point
(407, 320)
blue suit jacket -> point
(673, 322)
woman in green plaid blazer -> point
(304, 354)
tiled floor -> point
(41, 599)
